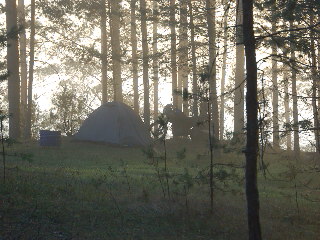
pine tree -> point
(13, 69)
(211, 18)
(224, 66)
(239, 75)
(134, 47)
(23, 62)
(296, 138)
(31, 71)
(286, 102)
(104, 52)
(275, 90)
(145, 60)
(116, 49)
(155, 63)
(183, 70)
(314, 85)
(193, 60)
(252, 123)
(173, 50)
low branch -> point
(287, 30)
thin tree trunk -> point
(211, 18)
(155, 61)
(286, 103)
(252, 124)
(239, 75)
(318, 85)
(194, 62)
(104, 53)
(275, 91)
(296, 139)
(31, 65)
(116, 49)
(318, 82)
(183, 54)
(145, 60)
(211, 154)
(23, 63)
(173, 38)
(134, 45)
(314, 87)
(224, 66)
(13, 69)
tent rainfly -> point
(114, 123)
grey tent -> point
(114, 123)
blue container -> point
(50, 138)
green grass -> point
(93, 191)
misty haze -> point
(159, 119)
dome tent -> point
(114, 123)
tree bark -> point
(211, 18)
(318, 85)
(145, 60)
(286, 103)
(104, 52)
(134, 47)
(173, 39)
(31, 66)
(194, 62)
(13, 69)
(155, 63)
(116, 49)
(318, 81)
(275, 91)
(314, 87)
(252, 193)
(296, 139)
(23, 64)
(239, 75)
(183, 71)
(224, 66)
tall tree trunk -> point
(286, 103)
(145, 60)
(318, 82)
(23, 63)
(239, 75)
(31, 65)
(252, 124)
(173, 39)
(104, 52)
(275, 91)
(134, 46)
(194, 62)
(13, 69)
(183, 54)
(296, 139)
(314, 86)
(155, 63)
(224, 65)
(211, 18)
(116, 49)
(318, 85)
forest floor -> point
(95, 191)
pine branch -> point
(287, 30)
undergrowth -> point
(92, 191)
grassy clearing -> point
(92, 191)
